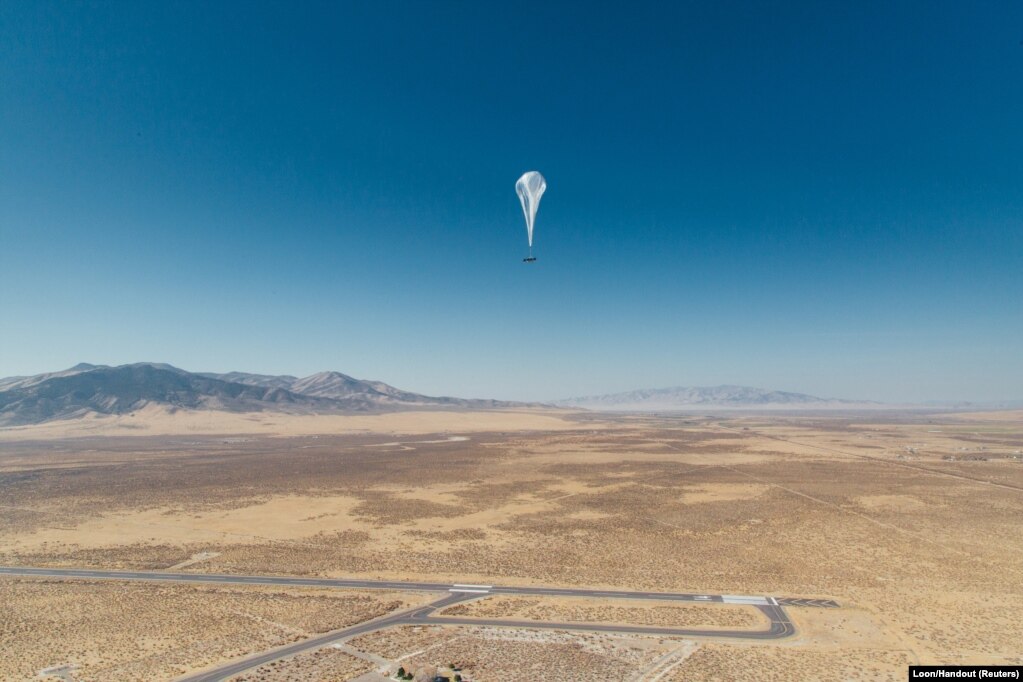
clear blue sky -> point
(822, 197)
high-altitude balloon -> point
(530, 188)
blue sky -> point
(821, 197)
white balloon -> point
(530, 188)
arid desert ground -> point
(912, 523)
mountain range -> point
(88, 389)
(101, 389)
(686, 397)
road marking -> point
(437, 587)
(740, 599)
(801, 601)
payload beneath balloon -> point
(530, 188)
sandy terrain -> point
(635, 612)
(156, 420)
(997, 416)
(323, 664)
(496, 654)
(714, 662)
(911, 522)
(141, 631)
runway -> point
(780, 625)
(168, 576)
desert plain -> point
(911, 522)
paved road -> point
(397, 618)
(168, 576)
(780, 625)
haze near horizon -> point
(813, 199)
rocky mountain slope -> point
(99, 389)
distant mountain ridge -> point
(101, 389)
(681, 397)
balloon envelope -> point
(530, 188)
